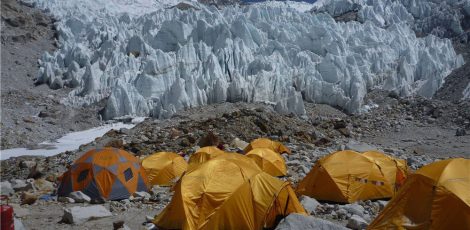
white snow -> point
(69, 142)
(151, 60)
(296, 5)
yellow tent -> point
(228, 193)
(348, 176)
(396, 170)
(267, 143)
(437, 196)
(269, 161)
(163, 168)
(204, 154)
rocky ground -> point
(416, 129)
(32, 114)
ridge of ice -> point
(154, 61)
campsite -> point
(235, 114)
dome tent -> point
(269, 161)
(228, 193)
(163, 168)
(204, 154)
(437, 196)
(348, 176)
(267, 143)
(108, 173)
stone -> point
(359, 146)
(18, 224)
(44, 185)
(296, 221)
(28, 198)
(354, 209)
(80, 215)
(27, 164)
(310, 204)
(65, 199)
(141, 194)
(356, 222)
(382, 204)
(239, 144)
(21, 185)
(79, 197)
(6, 188)
(460, 132)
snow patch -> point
(69, 142)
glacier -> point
(150, 58)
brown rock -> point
(28, 198)
(209, 140)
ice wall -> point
(155, 61)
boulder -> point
(356, 222)
(297, 221)
(354, 209)
(44, 185)
(18, 224)
(460, 132)
(79, 215)
(65, 199)
(309, 204)
(239, 144)
(27, 164)
(6, 188)
(21, 185)
(79, 197)
(141, 194)
(28, 198)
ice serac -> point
(156, 61)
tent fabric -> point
(100, 173)
(228, 193)
(163, 168)
(204, 154)
(267, 143)
(348, 176)
(437, 196)
(269, 161)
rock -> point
(79, 197)
(382, 204)
(28, 198)
(98, 200)
(27, 164)
(65, 199)
(359, 147)
(460, 132)
(79, 215)
(209, 140)
(21, 185)
(296, 221)
(18, 224)
(310, 204)
(293, 163)
(6, 188)
(44, 185)
(354, 209)
(356, 222)
(119, 225)
(141, 194)
(239, 144)
(342, 213)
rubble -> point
(79, 215)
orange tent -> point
(267, 143)
(163, 168)
(228, 193)
(108, 173)
(269, 161)
(437, 196)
